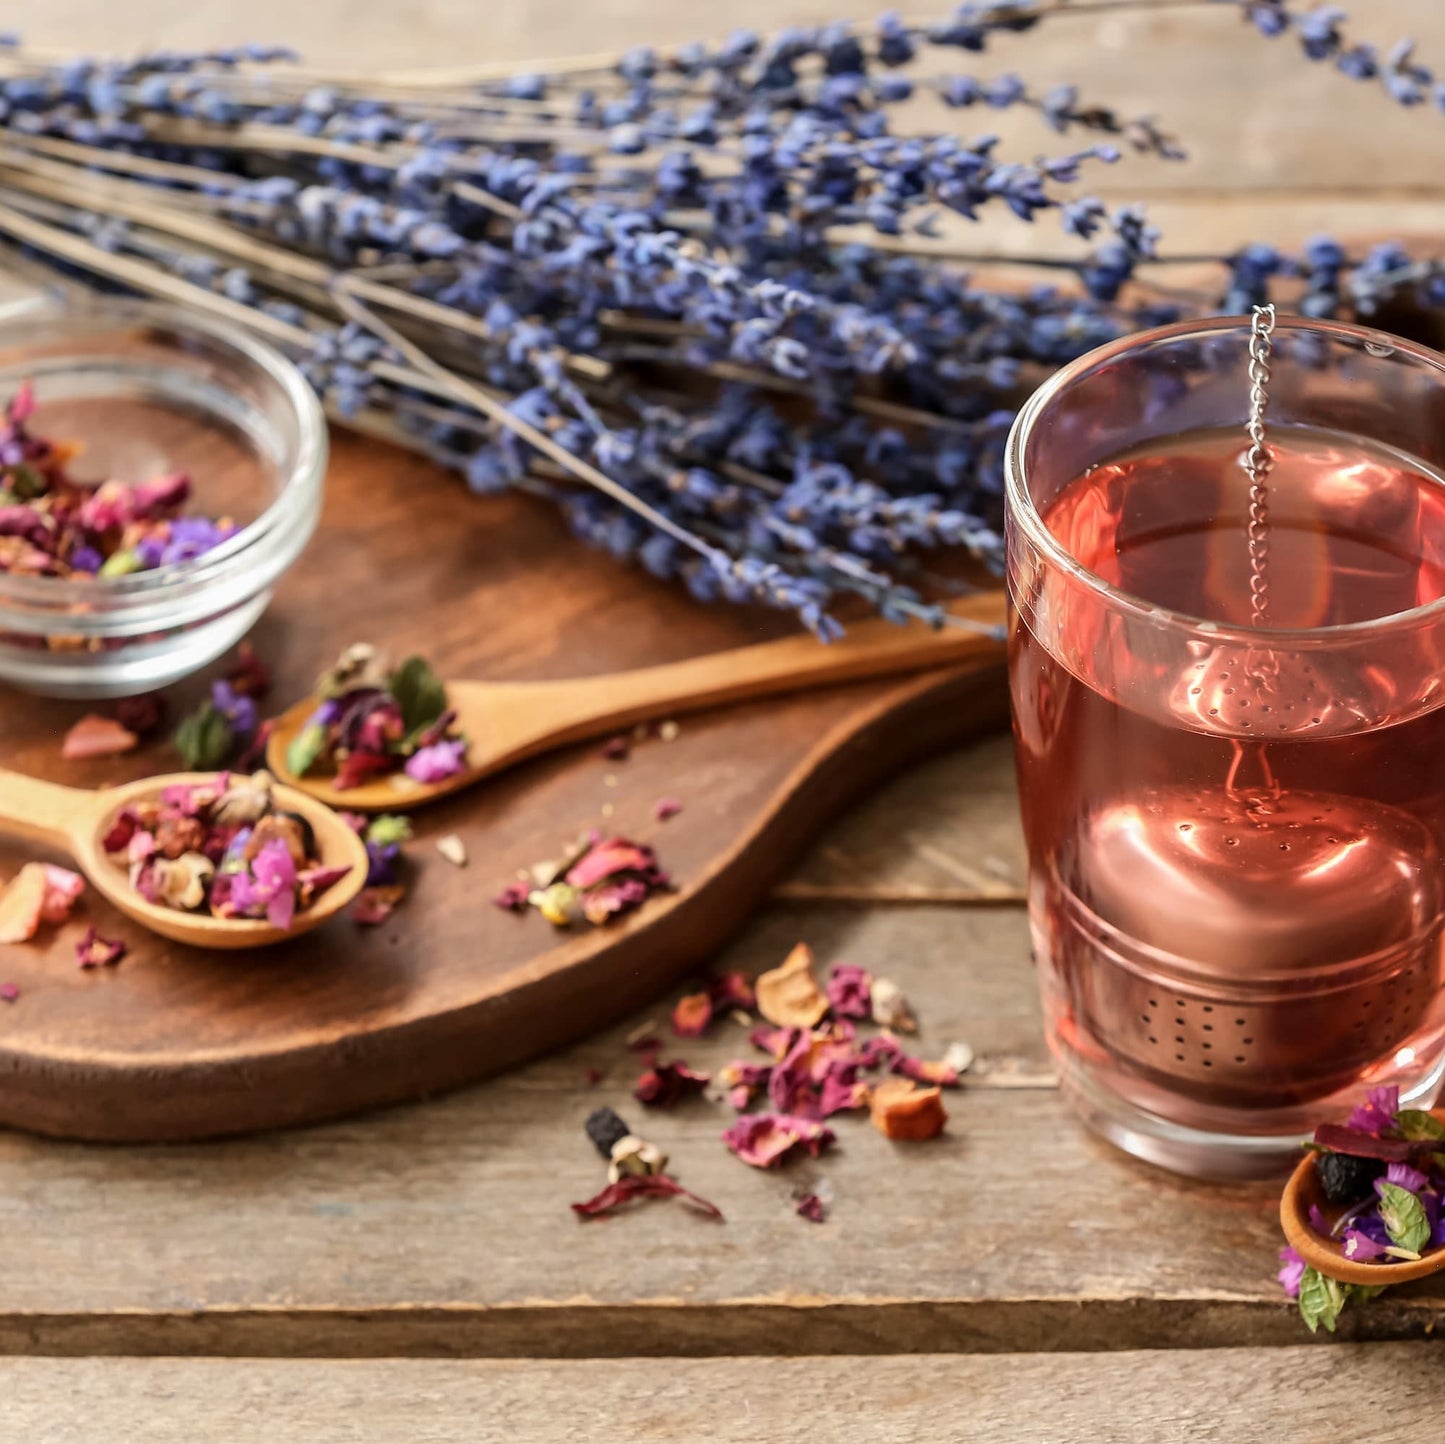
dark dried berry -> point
(1345, 1178)
(605, 1128)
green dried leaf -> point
(419, 693)
(388, 828)
(26, 482)
(1415, 1124)
(1321, 1300)
(1404, 1217)
(205, 739)
(306, 746)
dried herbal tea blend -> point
(596, 879)
(223, 847)
(1382, 1172)
(52, 525)
(373, 720)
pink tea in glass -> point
(1235, 817)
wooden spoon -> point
(505, 722)
(75, 821)
(1327, 1255)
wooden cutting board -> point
(177, 1044)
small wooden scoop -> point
(505, 722)
(1327, 1255)
(76, 821)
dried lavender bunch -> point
(686, 295)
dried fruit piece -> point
(789, 995)
(904, 1112)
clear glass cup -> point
(148, 389)
(1235, 821)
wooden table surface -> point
(417, 1275)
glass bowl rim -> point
(298, 487)
(1025, 516)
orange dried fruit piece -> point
(906, 1113)
(789, 995)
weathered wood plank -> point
(1220, 1395)
(444, 1228)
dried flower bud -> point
(182, 882)
(177, 835)
(559, 904)
(286, 828)
(359, 666)
(635, 1157)
(246, 801)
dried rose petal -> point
(513, 897)
(733, 990)
(838, 1096)
(375, 904)
(142, 715)
(606, 859)
(62, 888)
(665, 808)
(811, 1207)
(904, 1112)
(776, 1041)
(789, 995)
(96, 736)
(615, 749)
(22, 903)
(692, 1015)
(743, 1080)
(94, 951)
(764, 1139)
(9, 992)
(665, 1083)
(633, 1186)
(359, 767)
(611, 898)
(248, 675)
(940, 1074)
(849, 992)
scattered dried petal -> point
(692, 1015)
(665, 808)
(22, 903)
(625, 1190)
(904, 1112)
(142, 715)
(453, 849)
(591, 1076)
(849, 991)
(94, 951)
(607, 859)
(920, 1071)
(765, 1139)
(9, 992)
(62, 889)
(891, 1008)
(665, 1083)
(811, 1207)
(616, 749)
(789, 995)
(248, 675)
(732, 990)
(97, 736)
(513, 897)
(375, 904)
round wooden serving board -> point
(176, 1044)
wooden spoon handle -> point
(43, 812)
(869, 649)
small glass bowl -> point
(146, 390)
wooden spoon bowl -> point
(505, 722)
(1327, 1255)
(76, 821)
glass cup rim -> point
(301, 477)
(1025, 516)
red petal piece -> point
(607, 859)
(94, 951)
(375, 904)
(633, 1186)
(692, 1015)
(811, 1207)
(664, 1083)
(764, 1139)
(733, 990)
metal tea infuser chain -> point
(1258, 462)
